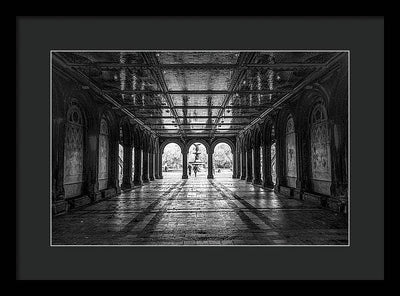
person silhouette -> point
(195, 170)
(190, 170)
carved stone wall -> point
(74, 151)
(103, 154)
(291, 168)
(320, 151)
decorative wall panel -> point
(103, 155)
(320, 149)
(291, 169)
(73, 154)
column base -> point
(210, 177)
(249, 179)
(269, 185)
(151, 178)
(59, 207)
(257, 181)
(137, 183)
(185, 177)
(145, 180)
(243, 178)
(126, 186)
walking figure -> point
(190, 170)
(195, 169)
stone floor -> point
(198, 211)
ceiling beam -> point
(237, 77)
(193, 66)
(196, 92)
(196, 123)
(82, 78)
(191, 117)
(151, 60)
(307, 81)
(198, 107)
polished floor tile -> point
(198, 211)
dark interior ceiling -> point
(196, 94)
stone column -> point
(234, 162)
(160, 176)
(127, 168)
(243, 162)
(249, 164)
(151, 166)
(145, 173)
(210, 166)
(184, 165)
(156, 166)
(267, 170)
(137, 179)
(92, 162)
(256, 166)
(59, 204)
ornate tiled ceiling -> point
(202, 94)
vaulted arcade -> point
(283, 115)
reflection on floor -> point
(198, 211)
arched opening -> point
(172, 161)
(197, 161)
(223, 161)
(75, 129)
(103, 155)
(320, 151)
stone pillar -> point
(249, 164)
(267, 170)
(156, 165)
(184, 165)
(137, 179)
(127, 168)
(234, 163)
(210, 166)
(243, 162)
(59, 204)
(256, 166)
(160, 176)
(151, 166)
(92, 162)
(145, 173)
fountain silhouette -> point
(196, 161)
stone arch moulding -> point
(169, 141)
(202, 141)
(223, 140)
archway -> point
(197, 166)
(222, 160)
(74, 147)
(172, 161)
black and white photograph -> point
(203, 148)
(200, 147)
